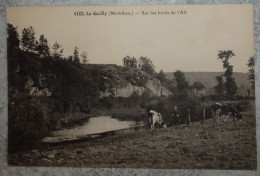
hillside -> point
(45, 76)
(121, 81)
(46, 94)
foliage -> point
(12, 37)
(70, 59)
(145, 98)
(42, 46)
(107, 102)
(251, 71)
(130, 62)
(131, 114)
(27, 122)
(198, 85)
(161, 76)
(166, 109)
(28, 39)
(57, 51)
(182, 84)
(146, 65)
(73, 90)
(84, 57)
(220, 87)
(76, 55)
(170, 84)
(230, 84)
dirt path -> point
(200, 146)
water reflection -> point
(91, 128)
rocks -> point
(51, 156)
(46, 160)
(32, 89)
(34, 151)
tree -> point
(230, 84)
(42, 46)
(76, 56)
(28, 39)
(25, 39)
(182, 84)
(130, 62)
(12, 37)
(251, 72)
(161, 76)
(84, 56)
(146, 65)
(171, 85)
(198, 86)
(70, 59)
(57, 51)
(220, 87)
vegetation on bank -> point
(44, 94)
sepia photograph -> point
(146, 87)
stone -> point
(51, 156)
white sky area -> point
(173, 42)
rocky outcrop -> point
(128, 90)
(121, 81)
(153, 86)
(32, 89)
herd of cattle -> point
(217, 109)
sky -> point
(187, 42)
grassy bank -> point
(231, 145)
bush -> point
(107, 102)
(130, 114)
(27, 123)
(243, 106)
(165, 106)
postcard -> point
(151, 87)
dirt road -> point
(232, 145)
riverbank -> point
(232, 145)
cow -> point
(216, 109)
(154, 117)
(231, 110)
(227, 110)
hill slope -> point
(45, 94)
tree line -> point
(226, 83)
(29, 43)
(178, 85)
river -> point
(92, 128)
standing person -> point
(176, 115)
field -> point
(231, 145)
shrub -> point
(107, 102)
(27, 123)
(243, 106)
(130, 114)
